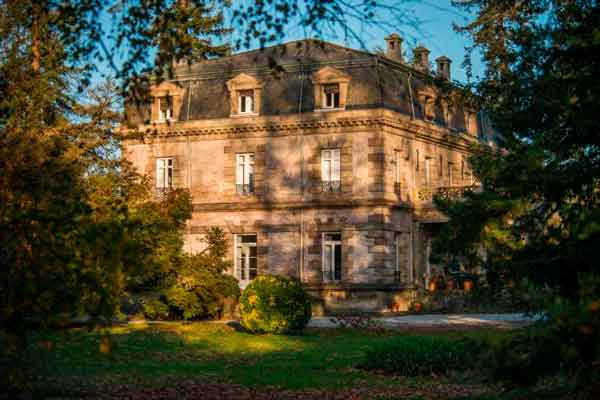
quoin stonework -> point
(319, 162)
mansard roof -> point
(286, 73)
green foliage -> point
(567, 341)
(195, 286)
(536, 219)
(418, 356)
(274, 304)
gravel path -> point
(441, 321)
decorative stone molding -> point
(328, 76)
(170, 90)
(243, 82)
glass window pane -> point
(326, 170)
(252, 270)
(333, 236)
(327, 262)
(338, 262)
(248, 239)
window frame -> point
(332, 270)
(332, 165)
(450, 173)
(166, 181)
(244, 181)
(331, 100)
(427, 171)
(168, 114)
(237, 257)
(242, 103)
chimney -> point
(443, 67)
(421, 58)
(394, 47)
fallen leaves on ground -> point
(221, 391)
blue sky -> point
(427, 22)
(434, 30)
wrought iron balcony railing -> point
(244, 188)
(445, 192)
(331, 186)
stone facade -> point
(399, 142)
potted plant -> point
(467, 285)
(433, 282)
(468, 282)
(450, 284)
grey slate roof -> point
(285, 71)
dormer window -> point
(331, 96)
(165, 108)
(167, 99)
(246, 101)
(245, 91)
(330, 88)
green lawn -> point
(163, 355)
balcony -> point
(445, 192)
(331, 186)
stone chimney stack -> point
(443, 67)
(394, 47)
(421, 58)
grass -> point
(159, 354)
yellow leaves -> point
(253, 300)
(105, 344)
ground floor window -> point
(332, 256)
(245, 258)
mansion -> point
(318, 161)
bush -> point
(565, 342)
(274, 304)
(418, 356)
(196, 287)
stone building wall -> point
(393, 122)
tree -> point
(537, 215)
(77, 225)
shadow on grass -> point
(153, 354)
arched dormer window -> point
(331, 89)
(245, 95)
(166, 102)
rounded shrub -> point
(274, 304)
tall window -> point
(330, 170)
(417, 160)
(244, 175)
(397, 245)
(331, 96)
(164, 173)
(332, 256)
(427, 171)
(246, 99)
(165, 108)
(397, 176)
(441, 167)
(450, 177)
(245, 258)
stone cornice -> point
(313, 123)
(261, 204)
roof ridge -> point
(261, 49)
